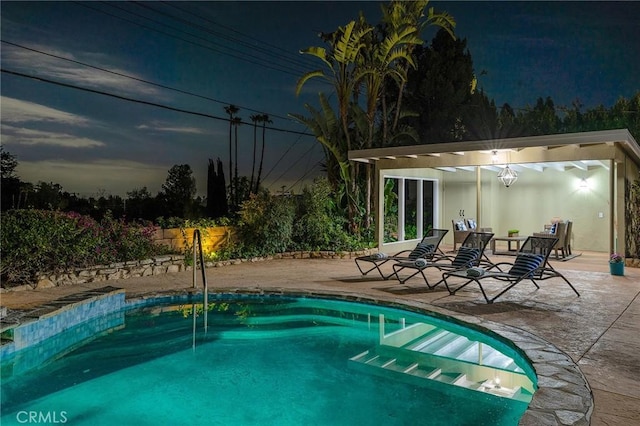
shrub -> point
(39, 241)
(265, 226)
(317, 227)
(178, 222)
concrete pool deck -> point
(599, 331)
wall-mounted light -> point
(584, 185)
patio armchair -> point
(558, 230)
(531, 263)
(471, 254)
(427, 248)
(460, 232)
(567, 238)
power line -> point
(281, 157)
(293, 59)
(141, 80)
(183, 39)
(139, 101)
(304, 58)
(251, 55)
(293, 164)
(308, 172)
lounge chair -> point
(470, 254)
(427, 248)
(531, 263)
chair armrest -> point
(542, 234)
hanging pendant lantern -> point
(507, 176)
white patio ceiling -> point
(539, 167)
(561, 152)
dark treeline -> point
(177, 198)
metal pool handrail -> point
(197, 238)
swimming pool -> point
(274, 361)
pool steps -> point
(425, 355)
(418, 373)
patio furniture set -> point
(559, 229)
(470, 263)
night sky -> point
(246, 53)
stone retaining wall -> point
(175, 263)
(165, 265)
(137, 268)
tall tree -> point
(212, 177)
(254, 118)
(387, 58)
(221, 191)
(179, 190)
(9, 181)
(264, 119)
(440, 88)
(237, 122)
(542, 118)
(358, 57)
(341, 59)
(401, 17)
(232, 110)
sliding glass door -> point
(409, 207)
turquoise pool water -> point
(273, 361)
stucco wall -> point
(533, 200)
(530, 203)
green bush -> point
(178, 222)
(317, 226)
(40, 241)
(265, 226)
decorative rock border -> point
(165, 265)
(137, 268)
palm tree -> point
(381, 60)
(359, 57)
(326, 126)
(345, 45)
(399, 16)
(237, 122)
(341, 60)
(264, 118)
(255, 118)
(232, 110)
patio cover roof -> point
(561, 150)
